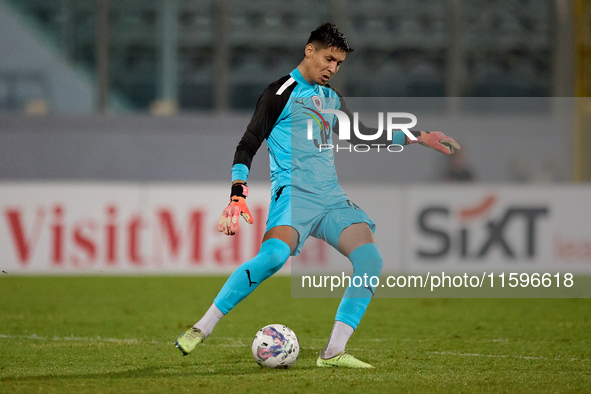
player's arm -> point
(266, 114)
(432, 139)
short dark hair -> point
(327, 35)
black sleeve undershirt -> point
(266, 114)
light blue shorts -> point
(320, 214)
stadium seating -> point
(401, 46)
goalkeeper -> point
(307, 199)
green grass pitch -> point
(116, 334)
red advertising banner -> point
(110, 228)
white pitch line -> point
(233, 342)
(230, 342)
(487, 355)
(75, 339)
(237, 342)
(505, 356)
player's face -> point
(323, 63)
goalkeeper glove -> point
(228, 222)
(435, 140)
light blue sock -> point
(271, 257)
(366, 260)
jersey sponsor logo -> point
(324, 127)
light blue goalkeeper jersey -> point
(297, 157)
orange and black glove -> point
(435, 140)
(228, 222)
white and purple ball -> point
(275, 346)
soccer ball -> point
(275, 346)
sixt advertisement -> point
(498, 228)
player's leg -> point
(358, 244)
(274, 252)
(354, 236)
